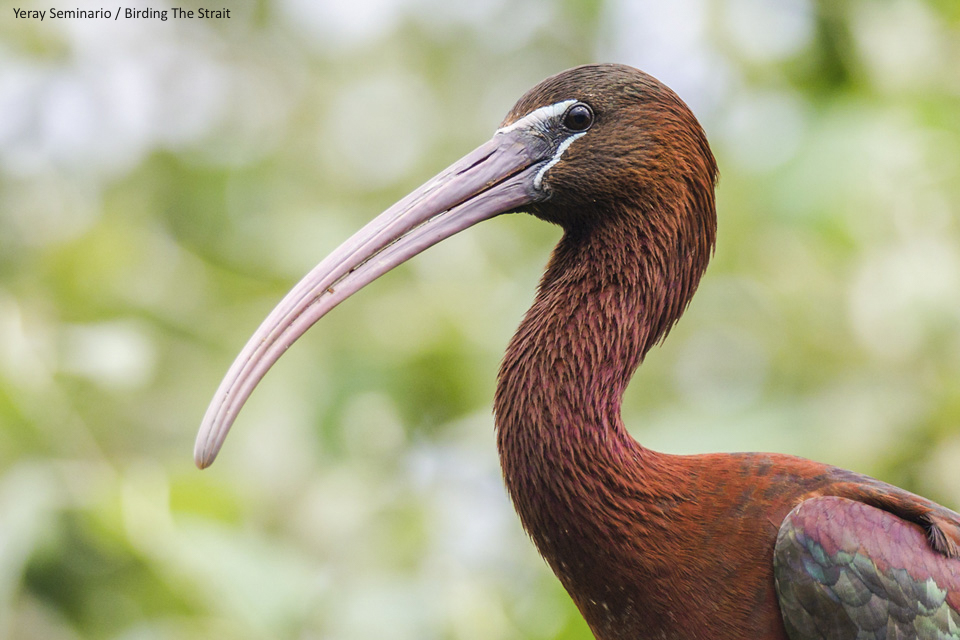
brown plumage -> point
(649, 545)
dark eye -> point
(579, 117)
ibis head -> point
(595, 146)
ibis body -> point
(648, 544)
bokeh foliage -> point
(162, 184)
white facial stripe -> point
(537, 179)
(536, 119)
(538, 115)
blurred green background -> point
(164, 183)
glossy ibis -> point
(649, 545)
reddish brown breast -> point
(659, 546)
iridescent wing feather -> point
(845, 570)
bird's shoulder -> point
(787, 482)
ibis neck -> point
(607, 296)
(609, 293)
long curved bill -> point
(497, 177)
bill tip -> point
(203, 459)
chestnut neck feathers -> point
(635, 197)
